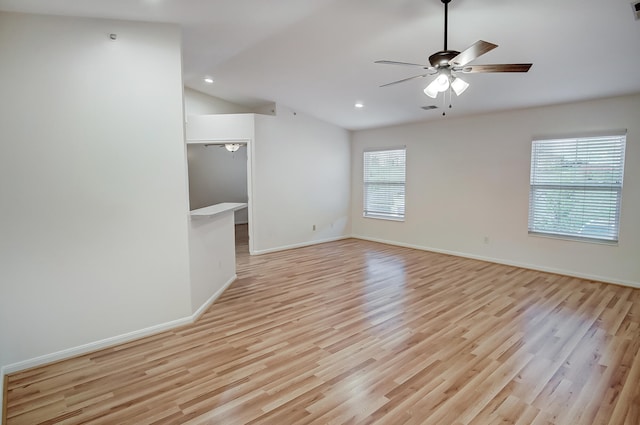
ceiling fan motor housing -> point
(446, 62)
(441, 59)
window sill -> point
(574, 239)
(383, 217)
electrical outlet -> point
(314, 227)
(486, 239)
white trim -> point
(217, 209)
(196, 315)
(221, 141)
(582, 135)
(300, 245)
(115, 340)
(507, 263)
(384, 217)
(2, 374)
(573, 238)
(388, 148)
(93, 346)
(250, 185)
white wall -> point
(197, 103)
(299, 171)
(217, 175)
(205, 162)
(212, 258)
(468, 178)
(301, 177)
(220, 127)
(92, 182)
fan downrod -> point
(446, 21)
(441, 59)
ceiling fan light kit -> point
(446, 63)
(459, 86)
(232, 147)
(438, 85)
(431, 91)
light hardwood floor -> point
(353, 332)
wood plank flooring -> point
(354, 332)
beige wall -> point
(301, 173)
(468, 178)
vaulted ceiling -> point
(317, 56)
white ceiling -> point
(316, 56)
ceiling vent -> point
(426, 108)
(636, 9)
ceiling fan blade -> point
(472, 52)
(505, 67)
(403, 64)
(405, 79)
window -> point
(576, 187)
(384, 181)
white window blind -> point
(576, 187)
(384, 183)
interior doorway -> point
(218, 175)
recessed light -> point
(359, 105)
(208, 80)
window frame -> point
(378, 215)
(582, 187)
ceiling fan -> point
(446, 63)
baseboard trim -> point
(563, 272)
(196, 315)
(3, 394)
(115, 340)
(299, 245)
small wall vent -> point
(636, 10)
(426, 108)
